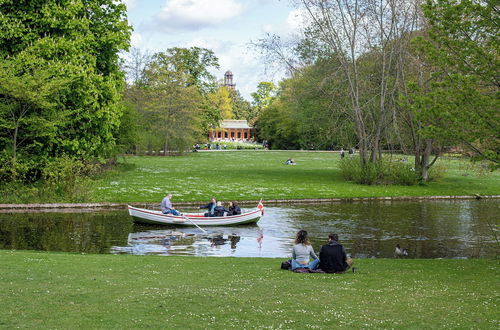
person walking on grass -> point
(166, 206)
(302, 252)
(332, 256)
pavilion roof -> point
(230, 123)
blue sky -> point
(225, 26)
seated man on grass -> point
(332, 256)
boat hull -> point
(157, 218)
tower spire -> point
(228, 80)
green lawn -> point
(64, 291)
(250, 175)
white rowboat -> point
(191, 219)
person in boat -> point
(333, 256)
(211, 208)
(166, 206)
(302, 252)
(234, 209)
(219, 210)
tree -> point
(221, 99)
(462, 48)
(312, 104)
(194, 63)
(172, 106)
(263, 96)
(28, 106)
(242, 109)
(73, 41)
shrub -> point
(381, 172)
(66, 177)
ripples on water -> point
(441, 229)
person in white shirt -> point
(303, 252)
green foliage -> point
(67, 178)
(263, 96)
(60, 83)
(461, 102)
(172, 99)
(465, 37)
(241, 108)
(172, 106)
(220, 100)
(193, 63)
(385, 171)
(130, 128)
(309, 112)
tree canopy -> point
(67, 53)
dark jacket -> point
(219, 211)
(209, 207)
(332, 258)
(234, 210)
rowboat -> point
(194, 219)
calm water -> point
(441, 229)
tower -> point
(228, 80)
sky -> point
(227, 27)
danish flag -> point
(260, 206)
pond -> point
(428, 229)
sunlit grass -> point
(251, 175)
(64, 291)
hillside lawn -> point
(251, 175)
(67, 291)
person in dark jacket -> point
(211, 208)
(332, 256)
(219, 210)
(234, 209)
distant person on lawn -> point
(166, 206)
(302, 252)
(333, 256)
(211, 208)
(234, 209)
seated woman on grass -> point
(302, 252)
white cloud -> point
(130, 3)
(197, 14)
(136, 40)
(294, 22)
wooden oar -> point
(203, 230)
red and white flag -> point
(260, 206)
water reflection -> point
(441, 229)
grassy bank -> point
(250, 175)
(52, 290)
